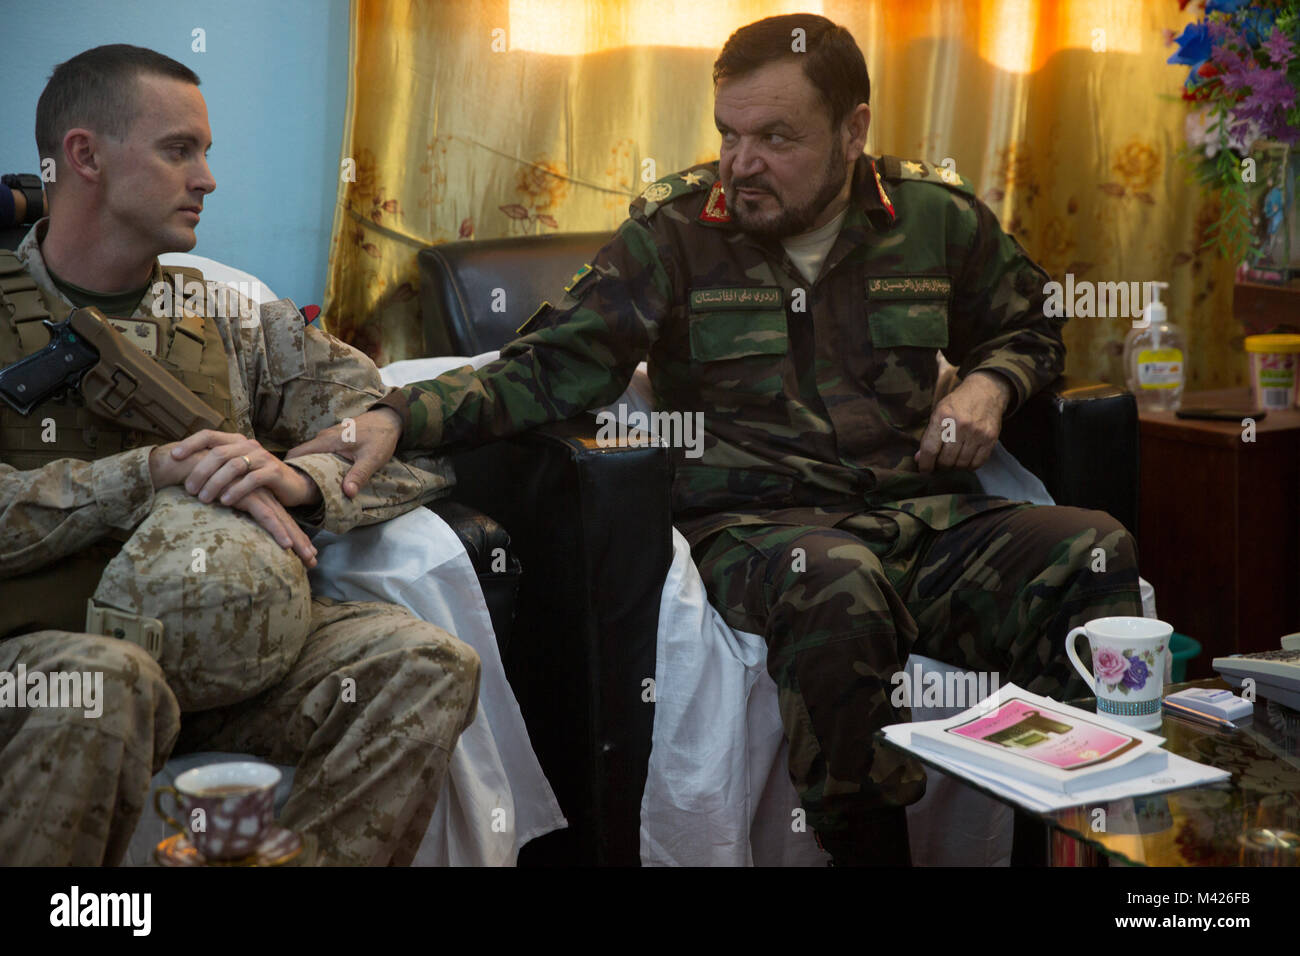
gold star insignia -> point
(915, 168)
(691, 179)
(949, 176)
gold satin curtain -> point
(489, 118)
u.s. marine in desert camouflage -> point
(366, 700)
(252, 660)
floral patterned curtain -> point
(488, 118)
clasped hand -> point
(243, 475)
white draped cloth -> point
(417, 561)
(717, 791)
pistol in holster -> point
(117, 381)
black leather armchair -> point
(592, 528)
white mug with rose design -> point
(1129, 655)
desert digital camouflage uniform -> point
(808, 517)
(365, 699)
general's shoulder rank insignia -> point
(669, 189)
(896, 170)
(657, 192)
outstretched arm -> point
(569, 358)
(301, 380)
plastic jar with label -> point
(1274, 360)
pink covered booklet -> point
(1043, 742)
(1047, 736)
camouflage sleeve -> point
(48, 513)
(572, 357)
(303, 381)
(998, 322)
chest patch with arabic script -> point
(713, 300)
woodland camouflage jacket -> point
(814, 396)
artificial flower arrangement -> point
(1244, 70)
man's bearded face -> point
(781, 164)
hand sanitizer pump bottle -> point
(1153, 357)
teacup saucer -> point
(277, 848)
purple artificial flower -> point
(1193, 45)
(1227, 59)
(1279, 48)
(1242, 135)
(1271, 96)
(1136, 676)
(1238, 79)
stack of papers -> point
(1044, 755)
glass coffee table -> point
(1253, 819)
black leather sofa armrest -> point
(483, 537)
(593, 528)
(497, 566)
(1081, 439)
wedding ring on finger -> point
(248, 465)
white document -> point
(1037, 740)
(1177, 772)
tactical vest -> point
(189, 347)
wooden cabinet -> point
(1219, 526)
(1260, 308)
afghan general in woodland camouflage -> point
(815, 395)
(832, 512)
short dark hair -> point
(831, 58)
(97, 89)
